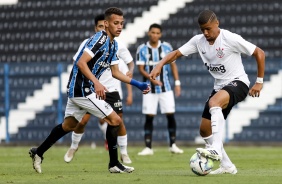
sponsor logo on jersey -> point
(216, 68)
(104, 64)
(220, 53)
(103, 39)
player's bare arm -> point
(167, 59)
(177, 86)
(83, 67)
(146, 75)
(260, 58)
(130, 69)
(123, 78)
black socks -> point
(53, 137)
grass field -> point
(255, 165)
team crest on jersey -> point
(220, 53)
(162, 55)
(148, 56)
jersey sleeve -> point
(79, 49)
(240, 45)
(190, 47)
(123, 53)
(141, 55)
(95, 43)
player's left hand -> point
(177, 91)
(255, 90)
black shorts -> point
(114, 100)
(237, 91)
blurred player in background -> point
(87, 94)
(113, 97)
(221, 52)
(147, 57)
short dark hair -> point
(156, 26)
(98, 18)
(206, 16)
(113, 10)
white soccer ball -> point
(200, 165)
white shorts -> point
(151, 100)
(78, 106)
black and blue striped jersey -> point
(149, 57)
(103, 53)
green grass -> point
(255, 165)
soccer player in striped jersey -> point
(147, 57)
(113, 97)
(87, 94)
(221, 52)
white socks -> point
(218, 124)
(122, 142)
(75, 140)
(103, 128)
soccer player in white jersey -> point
(87, 94)
(113, 97)
(221, 52)
(148, 55)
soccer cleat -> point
(70, 154)
(210, 153)
(119, 168)
(125, 159)
(175, 149)
(146, 151)
(36, 160)
(222, 170)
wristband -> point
(141, 85)
(177, 83)
(259, 80)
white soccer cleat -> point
(70, 154)
(125, 159)
(146, 151)
(222, 170)
(119, 168)
(36, 160)
(210, 153)
(175, 149)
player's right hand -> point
(100, 91)
(155, 72)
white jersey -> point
(106, 78)
(223, 58)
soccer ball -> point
(200, 165)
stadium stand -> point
(36, 35)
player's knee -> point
(213, 103)
(116, 121)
